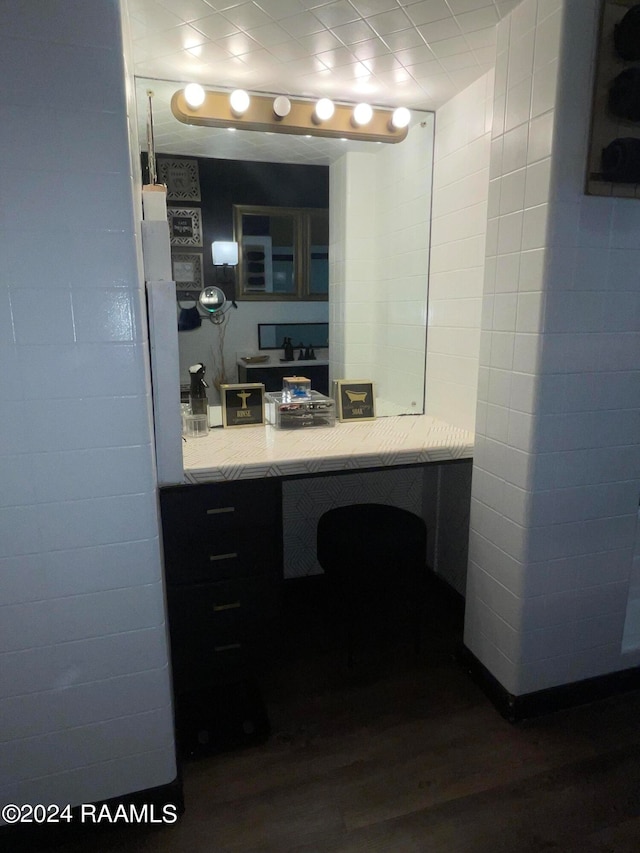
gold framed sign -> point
(355, 399)
(242, 404)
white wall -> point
(460, 192)
(85, 693)
(557, 460)
(379, 266)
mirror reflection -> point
(312, 335)
(370, 286)
(284, 253)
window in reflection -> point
(284, 252)
(318, 221)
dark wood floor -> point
(404, 754)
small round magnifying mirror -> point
(212, 299)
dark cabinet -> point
(272, 376)
(219, 631)
(223, 561)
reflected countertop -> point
(264, 451)
(280, 362)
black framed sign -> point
(242, 404)
(355, 399)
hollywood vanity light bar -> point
(280, 114)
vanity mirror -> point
(379, 200)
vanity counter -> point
(263, 451)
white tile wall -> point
(86, 696)
(460, 198)
(557, 471)
(380, 230)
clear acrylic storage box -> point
(286, 412)
(296, 386)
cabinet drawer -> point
(219, 628)
(207, 664)
(221, 613)
(231, 554)
(194, 510)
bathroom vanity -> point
(223, 537)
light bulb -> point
(194, 95)
(400, 118)
(362, 114)
(224, 252)
(324, 109)
(281, 106)
(239, 101)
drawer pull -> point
(227, 648)
(234, 605)
(232, 555)
(219, 510)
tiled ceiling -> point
(388, 52)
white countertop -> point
(263, 451)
